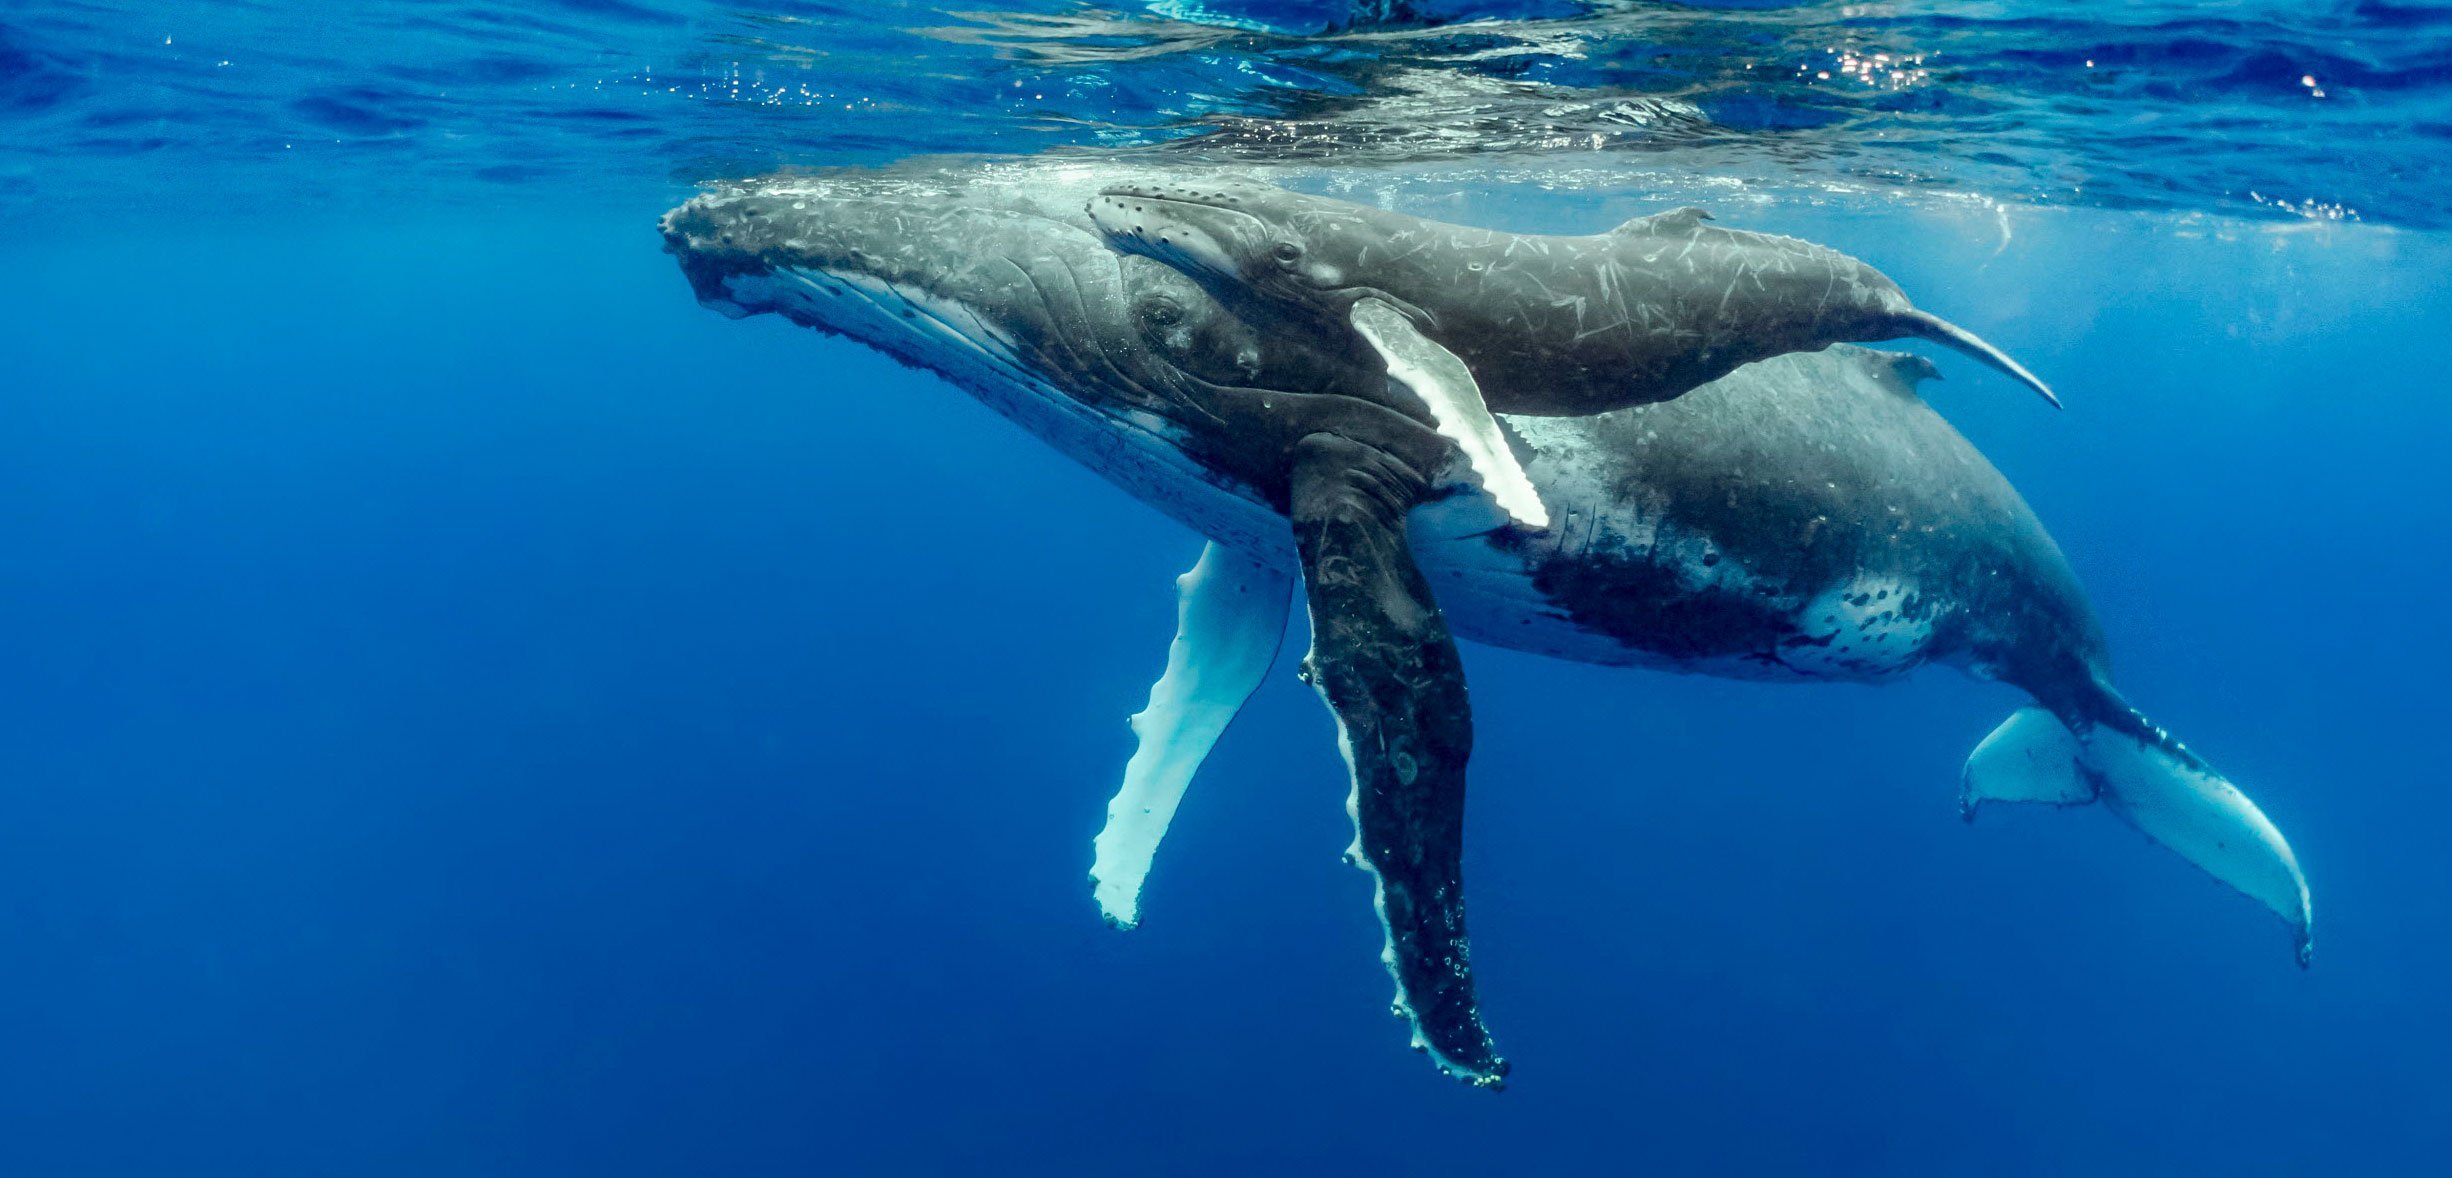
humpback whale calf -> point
(1802, 518)
(1476, 321)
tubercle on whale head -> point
(842, 254)
(915, 278)
(1198, 237)
(699, 234)
(1221, 235)
(751, 231)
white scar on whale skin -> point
(1230, 618)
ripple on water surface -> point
(2259, 109)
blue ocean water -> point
(472, 711)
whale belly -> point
(1643, 592)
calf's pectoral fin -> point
(1444, 383)
(1382, 658)
(1230, 616)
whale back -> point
(1805, 516)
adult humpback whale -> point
(1804, 518)
(1476, 321)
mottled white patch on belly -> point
(1868, 625)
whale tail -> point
(2152, 783)
(1924, 325)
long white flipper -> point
(1444, 383)
(1229, 622)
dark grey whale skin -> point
(1131, 346)
(1805, 518)
(1795, 475)
(1550, 325)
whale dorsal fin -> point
(1910, 369)
(1679, 220)
(1443, 382)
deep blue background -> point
(468, 710)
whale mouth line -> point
(906, 322)
(945, 319)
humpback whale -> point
(1476, 321)
(1803, 518)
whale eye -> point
(1162, 312)
(1287, 252)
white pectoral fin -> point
(1229, 621)
(2154, 786)
(1444, 383)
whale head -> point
(992, 277)
(981, 276)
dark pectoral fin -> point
(1382, 658)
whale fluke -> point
(2152, 783)
(1925, 325)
